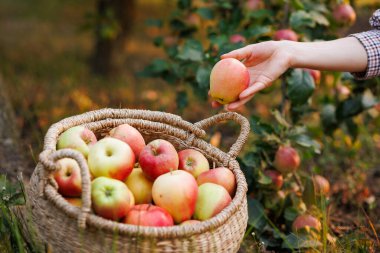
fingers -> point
(235, 105)
(239, 54)
(250, 91)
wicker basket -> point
(71, 229)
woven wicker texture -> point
(72, 229)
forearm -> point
(346, 54)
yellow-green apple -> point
(111, 158)
(158, 157)
(193, 162)
(74, 201)
(285, 34)
(236, 38)
(276, 177)
(129, 135)
(149, 215)
(176, 192)
(321, 185)
(212, 199)
(306, 222)
(110, 198)
(286, 159)
(344, 13)
(189, 222)
(78, 138)
(140, 186)
(68, 178)
(228, 78)
(221, 176)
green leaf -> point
(368, 99)
(352, 128)
(258, 127)
(280, 119)
(291, 213)
(191, 51)
(319, 18)
(260, 14)
(300, 86)
(184, 4)
(297, 4)
(258, 31)
(203, 77)
(328, 117)
(256, 214)
(156, 68)
(349, 108)
(252, 159)
(182, 100)
(293, 241)
(154, 22)
(301, 19)
(307, 142)
(263, 179)
(206, 13)
(308, 195)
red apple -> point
(228, 78)
(157, 158)
(193, 20)
(221, 176)
(177, 193)
(193, 162)
(253, 5)
(316, 74)
(111, 158)
(74, 201)
(306, 222)
(111, 198)
(68, 178)
(236, 38)
(190, 222)
(286, 159)
(285, 34)
(344, 13)
(131, 136)
(321, 185)
(140, 186)
(276, 177)
(78, 138)
(212, 199)
(149, 215)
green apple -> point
(78, 138)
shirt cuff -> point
(371, 42)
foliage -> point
(194, 37)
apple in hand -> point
(228, 78)
(110, 198)
(193, 162)
(74, 201)
(149, 215)
(285, 34)
(111, 158)
(286, 159)
(158, 157)
(140, 186)
(177, 193)
(129, 135)
(78, 138)
(68, 178)
(344, 13)
(212, 199)
(221, 176)
(276, 177)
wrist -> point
(288, 50)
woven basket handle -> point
(244, 129)
(49, 159)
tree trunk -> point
(12, 153)
(113, 23)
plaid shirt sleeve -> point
(371, 42)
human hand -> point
(265, 61)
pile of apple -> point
(143, 184)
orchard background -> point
(65, 58)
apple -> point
(193, 162)
(129, 135)
(78, 138)
(306, 222)
(189, 222)
(228, 78)
(177, 193)
(74, 201)
(212, 199)
(344, 13)
(132, 201)
(321, 185)
(285, 34)
(170, 41)
(221, 176)
(276, 177)
(111, 198)
(149, 215)
(68, 178)
(236, 38)
(111, 158)
(158, 157)
(140, 186)
(253, 5)
(193, 20)
(315, 74)
(286, 159)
